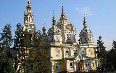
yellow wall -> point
(54, 52)
(95, 65)
(90, 52)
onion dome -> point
(44, 29)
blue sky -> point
(100, 15)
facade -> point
(62, 36)
(87, 49)
(66, 54)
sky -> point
(100, 15)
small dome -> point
(86, 31)
(86, 36)
(44, 29)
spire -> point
(62, 14)
(63, 19)
(84, 22)
(62, 9)
(29, 6)
(53, 19)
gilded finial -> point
(62, 13)
(44, 28)
(53, 19)
(28, 6)
(84, 22)
(29, 1)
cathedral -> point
(66, 54)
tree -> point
(40, 53)
(26, 46)
(101, 52)
(111, 57)
(18, 36)
(114, 45)
(6, 37)
(18, 45)
(6, 64)
(22, 44)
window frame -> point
(67, 52)
(71, 65)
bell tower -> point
(29, 19)
(86, 36)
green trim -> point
(70, 58)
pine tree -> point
(101, 52)
(6, 37)
(22, 45)
(40, 53)
(111, 57)
(114, 45)
(18, 36)
(6, 40)
(26, 43)
(18, 46)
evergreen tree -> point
(114, 45)
(18, 36)
(22, 45)
(101, 52)
(40, 53)
(6, 62)
(26, 43)
(6, 37)
(18, 46)
(111, 57)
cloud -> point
(86, 10)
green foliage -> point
(6, 65)
(114, 45)
(18, 44)
(18, 36)
(21, 44)
(101, 52)
(40, 53)
(26, 39)
(6, 62)
(35, 42)
(111, 57)
(6, 37)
